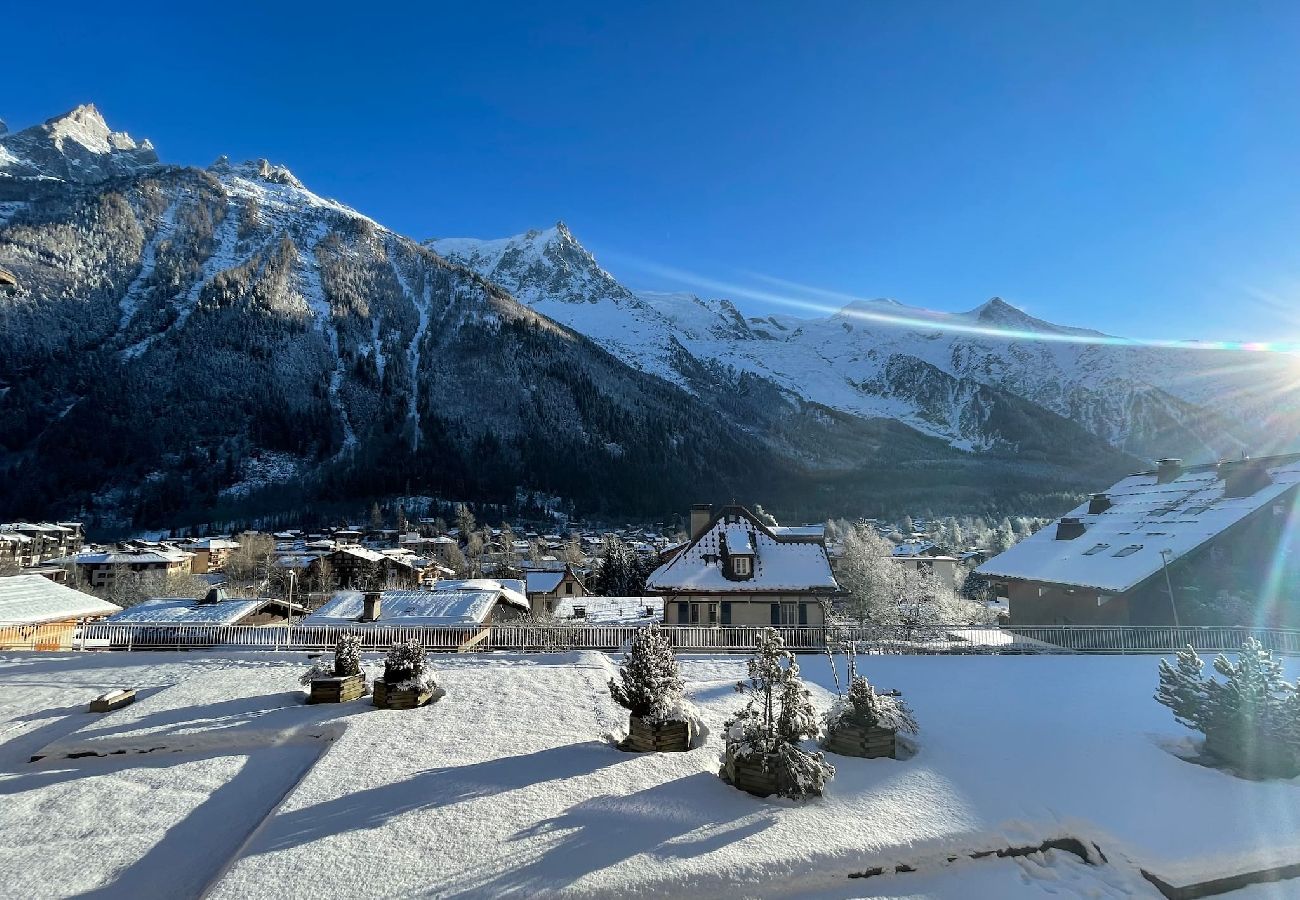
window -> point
(740, 566)
(568, 587)
(704, 614)
(1096, 549)
(1129, 550)
(789, 613)
(580, 612)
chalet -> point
(39, 614)
(546, 587)
(356, 567)
(215, 608)
(98, 569)
(1163, 546)
(460, 603)
(737, 570)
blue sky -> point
(1126, 166)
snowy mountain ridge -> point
(881, 358)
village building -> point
(944, 570)
(546, 587)
(36, 613)
(475, 602)
(1176, 544)
(214, 608)
(210, 554)
(99, 569)
(31, 544)
(358, 568)
(737, 570)
(592, 610)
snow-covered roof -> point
(362, 553)
(543, 581)
(1146, 523)
(612, 610)
(32, 599)
(781, 562)
(466, 606)
(128, 557)
(178, 611)
(812, 531)
(211, 544)
(737, 538)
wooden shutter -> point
(776, 613)
(803, 613)
(683, 613)
(726, 613)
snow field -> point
(511, 784)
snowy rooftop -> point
(176, 611)
(32, 599)
(462, 606)
(781, 563)
(1146, 523)
(543, 581)
(128, 557)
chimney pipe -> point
(1099, 504)
(701, 515)
(371, 606)
(1243, 477)
(1168, 469)
(1069, 528)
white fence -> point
(688, 638)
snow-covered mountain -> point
(929, 370)
(186, 343)
(180, 337)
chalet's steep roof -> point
(32, 599)
(543, 581)
(1121, 547)
(782, 562)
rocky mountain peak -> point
(76, 146)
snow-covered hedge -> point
(868, 709)
(649, 685)
(778, 716)
(1250, 721)
(406, 668)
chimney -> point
(370, 609)
(1069, 528)
(1168, 469)
(1099, 504)
(1243, 477)
(214, 595)
(701, 514)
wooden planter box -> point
(750, 776)
(112, 700)
(388, 698)
(652, 737)
(868, 743)
(338, 689)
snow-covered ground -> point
(220, 780)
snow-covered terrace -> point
(221, 781)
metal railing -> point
(685, 638)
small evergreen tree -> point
(777, 717)
(1250, 720)
(868, 709)
(347, 655)
(649, 685)
(406, 666)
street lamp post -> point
(1169, 584)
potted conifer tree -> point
(650, 688)
(763, 753)
(340, 680)
(865, 723)
(408, 681)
